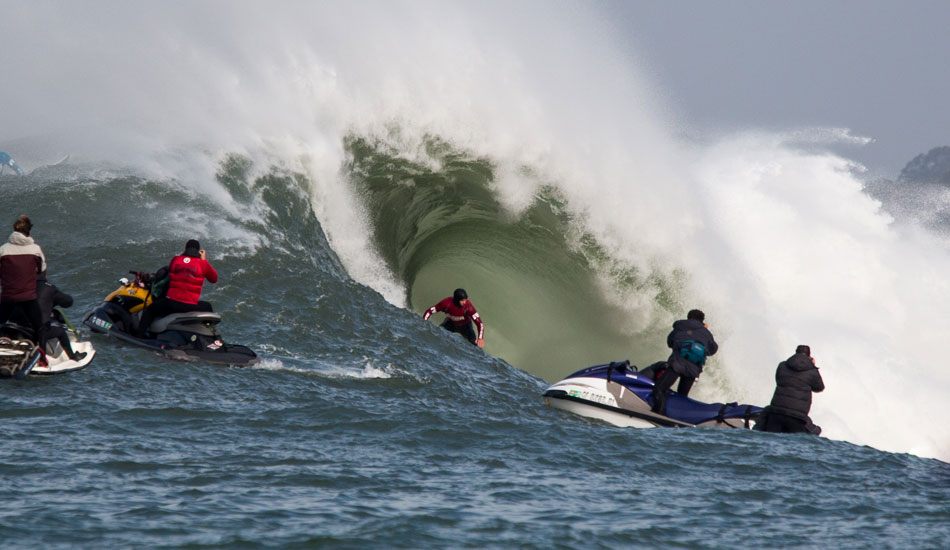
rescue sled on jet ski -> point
(185, 336)
(620, 394)
(20, 356)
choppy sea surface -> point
(365, 427)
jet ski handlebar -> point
(142, 278)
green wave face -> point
(439, 226)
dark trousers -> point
(782, 423)
(465, 330)
(664, 384)
(30, 309)
(167, 306)
(58, 332)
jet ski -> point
(184, 336)
(621, 394)
(20, 356)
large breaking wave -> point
(548, 182)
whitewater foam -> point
(799, 254)
(779, 244)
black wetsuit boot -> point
(660, 388)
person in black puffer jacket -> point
(795, 380)
(687, 333)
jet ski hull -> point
(235, 355)
(17, 358)
(590, 397)
(609, 414)
(195, 342)
(20, 357)
(620, 395)
(60, 363)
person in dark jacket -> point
(48, 297)
(796, 379)
(21, 260)
(187, 273)
(691, 343)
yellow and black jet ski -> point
(185, 336)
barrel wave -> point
(346, 167)
(556, 190)
(537, 277)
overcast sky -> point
(877, 67)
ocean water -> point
(365, 427)
(346, 176)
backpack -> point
(160, 282)
(694, 352)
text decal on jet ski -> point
(101, 323)
(591, 396)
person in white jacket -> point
(21, 260)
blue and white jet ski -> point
(620, 394)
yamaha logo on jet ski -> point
(186, 336)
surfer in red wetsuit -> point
(459, 315)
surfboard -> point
(60, 161)
(5, 161)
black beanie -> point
(803, 349)
(459, 295)
(193, 244)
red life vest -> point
(186, 276)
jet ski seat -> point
(653, 370)
(16, 331)
(190, 318)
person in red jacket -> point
(459, 315)
(187, 274)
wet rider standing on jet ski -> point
(187, 273)
(459, 315)
(691, 343)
